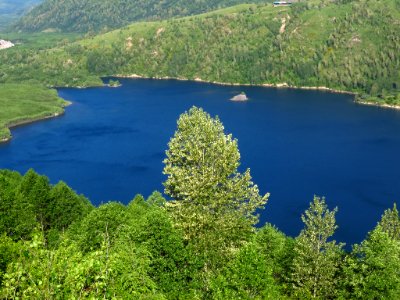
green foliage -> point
(8, 252)
(11, 10)
(316, 261)
(277, 250)
(201, 245)
(373, 269)
(22, 103)
(28, 201)
(17, 215)
(149, 225)
(66, 272)
(114, 83)
(96, 15)
(107, 219)
(257, 269)
(346, 46)
(66, 206)
(213, 203)
(247, 276)
(390, 223)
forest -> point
(12, 10)
(203, 243)
(350, 46)
(103, 15)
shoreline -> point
(271, 85)
(33, 120)
(282, 85)
(383, 105)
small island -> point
(114, 83)
(241, 97)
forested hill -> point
(11, 10)
(353, 46)
(96, 15)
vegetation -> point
(214, 205)
(55, 245)
(97, 15)
(39, 40)
(11, 10)
(23, 103)
(351, 46)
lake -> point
(111, 142)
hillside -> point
(96, 15)
(353, 47)
(11, 10)
(24, 103)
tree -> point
(89, 232)
(213, 203)
(372, 271)
(390, 223)
(248, 276)
(316, 260)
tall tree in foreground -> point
(316, 260)
(214, 204)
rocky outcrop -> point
(240, 97)
(5, 44)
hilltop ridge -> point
(98, 15)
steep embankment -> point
(353, 47)
(96, 15)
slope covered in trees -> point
(96, 15)
(11, 10)
(351, 46)
(201, 245)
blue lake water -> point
(111, 142)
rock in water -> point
(240, 97)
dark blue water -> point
(111, 142)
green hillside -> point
(353, 47)
(23, 103)
(96, 15)
(11, 10)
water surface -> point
(111, 142)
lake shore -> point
(282, 85)
(27, 121)
(384, 105)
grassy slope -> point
(29, 101)
(21, 103)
